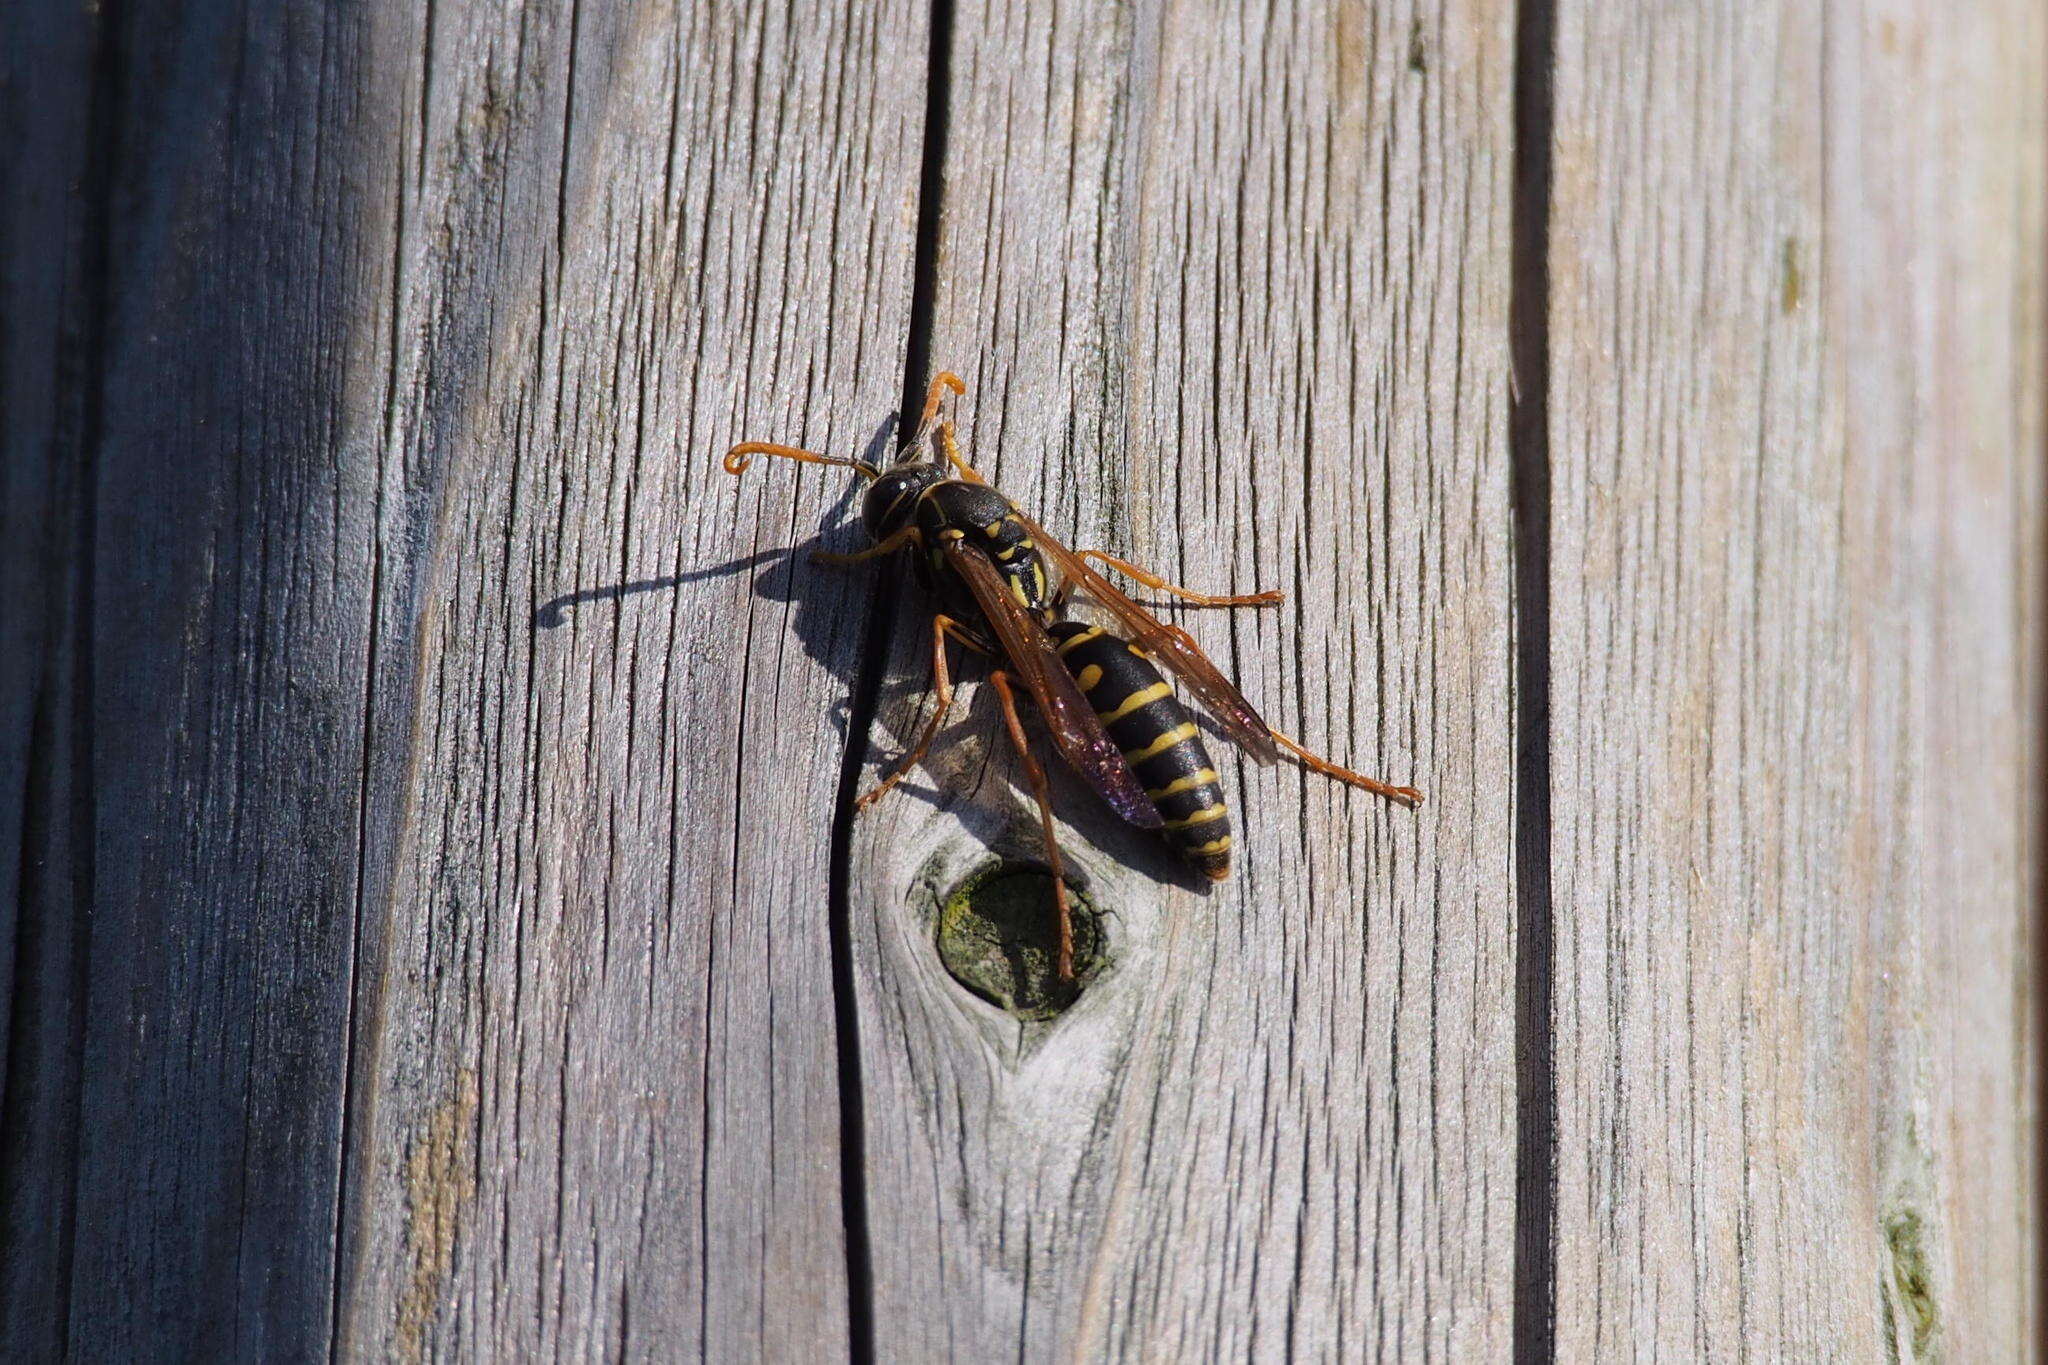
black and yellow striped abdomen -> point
(1157, 737)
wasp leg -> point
(1406, 796)
(886, 545)
(1154, 581)
(933, 397)
(942, 687)
(1036, 775)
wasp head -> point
(892, 498)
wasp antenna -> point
(947, 447)
(927, 420)
(936, 394)
(741, 455)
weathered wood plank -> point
(414, 318)
(1796, 369)
(1229, 292)
(596, 1084)
(231, 218)
(417, 760)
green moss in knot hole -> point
(999, 936)
(1904, 1235)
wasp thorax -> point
(892, 498)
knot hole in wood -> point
(998, 935)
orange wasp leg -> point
(1158, 584)
(1406, 796)
(886, 545)
(942, 687)
(1036, 775)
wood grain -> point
(595, 1104)
(1796, 449)
(454, 962)
(422, 931)
(225, 227)
(1228, 292)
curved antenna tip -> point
(741, 455)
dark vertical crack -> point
(931, 186)
(1529, 474)
(860, 1278)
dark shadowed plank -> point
(595, 1102)
(1796, 323)
(1229, 295)
(231, 228)
(48, 339)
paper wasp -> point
(1002, 586)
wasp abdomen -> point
(1157, 737)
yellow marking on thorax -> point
(1176, 735)
(1200, 817)
(1083, 638)
(1144, 696)
(1017, 591)
(1182, 784)
(1088, 677)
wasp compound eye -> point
(891, 500)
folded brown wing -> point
(1076, 732)
(1170, 646)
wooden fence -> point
(431, 918)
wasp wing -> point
(1076, 732)
(1171, 645)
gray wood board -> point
(595, 1104)
(199, 971)
(414, 319)
(418, 761)
(1796, 445)
(1228, 291)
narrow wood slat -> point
(1229, 293)
(1796, 365)
(231, 183)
